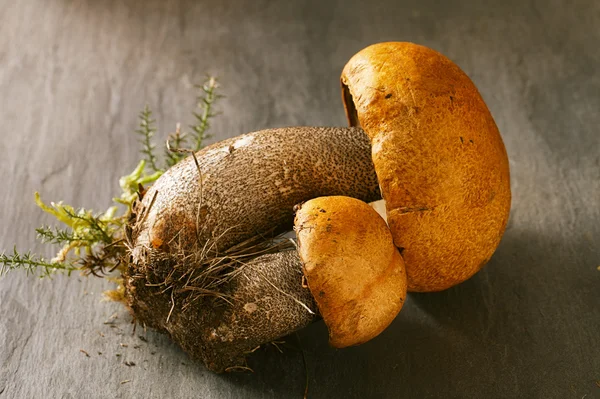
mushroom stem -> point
(195, 232)
(265, 300)
(248, 185)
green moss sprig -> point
(203, 114)
(91, 242)
(146, 130)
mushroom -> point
(194, 272)
(352, 267)
(440, 161)
(202, 266)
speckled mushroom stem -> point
(265, 301)
(250, 185)
(240, 188)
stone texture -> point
(74, 74)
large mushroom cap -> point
(354, 272)
(440, 160)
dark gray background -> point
(74, 74)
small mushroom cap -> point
(352, 267)
(439, 158)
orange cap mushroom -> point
(439, 158)
(353, 269)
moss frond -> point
(175, 143)
(131, 183)
(49, 235)
(146, 130)
(178, 143)
(206, 101)
(32, 263)
(94, 242)
(116, 295)
(85, 226)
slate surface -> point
(74, 74)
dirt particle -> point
(389, 95)
(250, 307)
(129, 364)
(84, 352)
